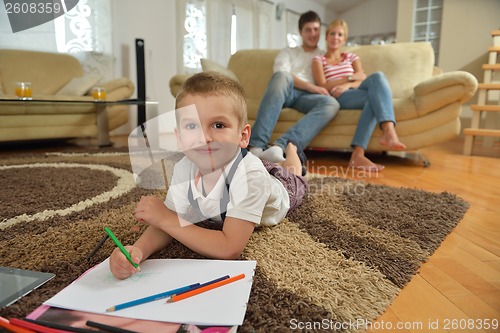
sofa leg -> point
(416, 156)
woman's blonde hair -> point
(342, 24)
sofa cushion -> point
(47, 72)
(78, 86)
(417, 58)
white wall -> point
(465, 34)
(372, 17)
(155, 22)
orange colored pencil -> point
(197, 291)
(5, 323)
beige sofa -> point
(56, 77)
(427, 102)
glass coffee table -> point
(58, 106)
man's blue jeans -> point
(374, 96)
(318, 109)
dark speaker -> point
(141, 80)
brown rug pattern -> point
(341, 257)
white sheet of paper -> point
(97, 290)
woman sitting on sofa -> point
(342, 75)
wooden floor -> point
(458, 289)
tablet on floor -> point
(15, 283)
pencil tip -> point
(111, 309)
(138, 268)
(169, 300)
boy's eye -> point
(218, 125)
(191, 126)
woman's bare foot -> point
(390, 138)
(360, 162)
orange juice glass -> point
(23, 90)
(99, 94)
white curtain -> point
(205, 27)
(245, 27)
(192, 27)
(292, 29)
(264, 25)
(219, 30)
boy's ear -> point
(245, 136)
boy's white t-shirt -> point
(254, 195)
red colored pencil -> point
(13, 328)
(197, 291)
(34, 327)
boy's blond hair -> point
(216, 84)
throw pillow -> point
(79, 86)
(209, 65)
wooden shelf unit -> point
(482, 105)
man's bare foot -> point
(360, 162)
(390, 138)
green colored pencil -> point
(121, 247)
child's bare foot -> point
(292, 162)
(390, 138)
(290, 148)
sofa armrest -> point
(176, 83)
(444, 89)
(117, 89)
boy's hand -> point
(152, 210)
(120, 266)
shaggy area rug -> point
(341, 258)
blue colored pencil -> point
(152, 298)
(203, 284)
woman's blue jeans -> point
(374, 96)
(280, 93)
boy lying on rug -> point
(216, 177)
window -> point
(427, 23)
(216, 29)
(194, 35)
(264, 26)
(84, 32)
(293, 38)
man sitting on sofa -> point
(292, 85)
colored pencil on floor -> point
(176, 298)
(60, 326)
(98, 246)
(34, 327)
(151, 298)
(4, 323)
(111, 329)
